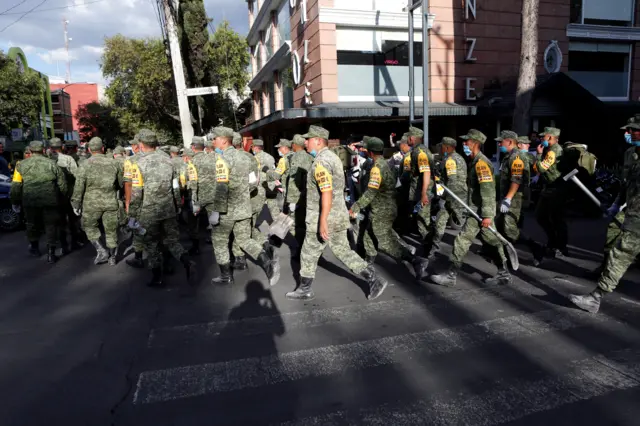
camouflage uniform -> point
(201, 189)
(266, 163)
(421, 161)
(514, 169)
(631, 160)
(482, 199)
(326, 175)
(67, 218)
(128, 167)
(454, 175)
(155, 199)
(37, 185)
(550, 210)
(98, 182)
(296, 195)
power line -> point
(12, 7)
(24, 14)
(52, 8)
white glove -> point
(505, 206)
(16, 208)
(613, 211)
(77, 212)
(253, 179)
(292, 207)
(214, 218)
(195, 208)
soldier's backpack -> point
(576, 156)
(345, 156)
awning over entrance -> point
(377, 109)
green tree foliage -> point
(20, 94)
(230, 58)
(96, 119)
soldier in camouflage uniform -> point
(421, 189)
(267, 163)
(95, 197)
(155, 200)
(37, 185)
(627, 245)
(71, 149)
(379, 196)
(328, 220)
(257, 194)
(119, 155)
(514, 180)
(482, 198)
(453, 172)
(67, 218)
(232, 211)
(550, 209)
(201, 185)
(129, 163)
(174, 152)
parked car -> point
(9, 220)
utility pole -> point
(425, 71)
(66, 48)
(170, 8)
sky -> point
(40, 32)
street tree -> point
(528, 66)
(97, 119)
(20, 94)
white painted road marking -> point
(190, 381)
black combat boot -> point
(226, 276)
(270, 265)
(75, 243)
(189, 266)
(102, 256)
(195, 247)
(240, 263)
(447, 279)
(377, 284)
(588, 302)
(370, 259)
(34, 249)
(271, 250)
(51, 255)
(420, 266)
(167, 264)
(303, 292)
(502, 277)
(112, 256)
(137, 261)
(64, 246)
(156, 278)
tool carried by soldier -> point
(572, 176)
(511, 251)
(280, 226)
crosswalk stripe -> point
(315, 318)
(190, 381)
(505, 402)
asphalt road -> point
(86, 345)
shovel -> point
(573, 178)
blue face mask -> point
(636, 143)
(280, 154)
(313, 153)
(467, 151)
(219, 151)
(446, 154)
(627, 138)
(503, 149)
(524, 150)
(545, 144)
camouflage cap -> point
(405, 138)
(95, 144)
(258, 142)
(188, 152)
(298, 140)
(507, 134)
(174, 149)
(474, 134)
(118, 150)
(374, 144)
(55, 143)
(632, 123)
(36, 146)
(222, 132)
(415, 132)
(524, 140)
(551, 131)
(164, 148)
(449, 142)
(317, 132)
(208, 143)
(148, 138)
(237, 139)
(284, 143)
(198, 142)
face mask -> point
(363, 154)
(627, 138)
(503, 149)
(545, 144)
(467, 150)
(636, 143)
(446, 154)
(524, 150)
(219, 151)
(280, 154)
(313, 153)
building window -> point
(602, 68)
(286, 77)
(259, 54)
(268, 40)
(272, 94)
(262, 112)
(617, 13)
(393, 53)
(284, 23)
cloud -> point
(41, 37)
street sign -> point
(16, 134)
(201, 91)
